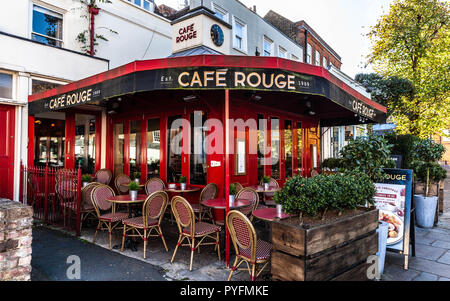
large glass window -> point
(153, 148)
(288, 148)
(85, 143)
(47, 26)
(174, 148)
(261, 145)
(299, 148)
(275, 147)
(198, 151)
(308, 54)
(6, 83)
(50, 140)
(240, 35)
(135, 146)
(38, 86)
(119, 147)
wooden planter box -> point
(336, 250)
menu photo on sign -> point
(240, 155)
(393, 200)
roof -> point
(195, 51)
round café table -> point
(126, 185)
(181, 191)
(260, 189)
(126, 200)
(269, 214)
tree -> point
(411, 42)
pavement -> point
(432, 260)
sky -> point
(341, 23)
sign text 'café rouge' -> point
(67, 100)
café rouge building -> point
(251, 115)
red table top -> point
(126, 199)
(178, 189)
(269, 214)
(259, 188)
(221, 203)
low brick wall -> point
(16, 221)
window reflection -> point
(198, 154)
(135, 147)
(50, 140)
(288, 148)
(261, 144)
(174, 147)
(299, 148)
(119, 144)
(275, 143)
(153, 148)
(85, 143)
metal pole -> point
(227, 171)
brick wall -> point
(16, 221)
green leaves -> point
(86, 178)
(133, 186)
(311, 196)
(368, 155)
(233, 189)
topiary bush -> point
(332, 164)
(403, 145)
(368, 155)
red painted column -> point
(31, 141)
(227, 170)
(98, 142)
(69, 158)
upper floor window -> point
(302, 55)
(38, 86)
(309, 54)
(47, 26)
(6, 85)
(317, 58)
(282, 52)
(325, 63)
(145, 4)
(220, 12)
(268, 47)
(294, 58)
(239, 35)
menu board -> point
(240, 157)
(393, 200)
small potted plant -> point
(137, 176)
(86, 179)
(266, 181)
(134, 188)
(232, 193)
(183, 182)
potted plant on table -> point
(183, 181)
(86, 179)
(134, 188)
(136, 176)
(265, 180)
(232, 193)
(427, 172)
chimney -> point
(254, 8)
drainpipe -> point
(93, 11)
(305, 52)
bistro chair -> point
(268, 196)
(238, 186)
(112, 219)
(103, 176)
(153, 185)
(190, 230)
(36, 195)
(119, 180)
(248, 247)
(208, 193)
(251, 195)
(153, 211)
(66, 193)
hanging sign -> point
(393, 200)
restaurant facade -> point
(251, 116)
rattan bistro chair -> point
(191, 230)
(153, 211)
(154, 185)
(208, 193)
(248, 248)
(251, 195)
(111, 220)
(119, 180)
(238, 186)
(103, 176)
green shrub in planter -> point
(368, 155)
(317, 195)
(332, 164)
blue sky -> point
(341, 23)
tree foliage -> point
(411, 42)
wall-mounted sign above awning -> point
(260, 77)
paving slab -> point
(426, 277)
(443, 279)
(445, 258)
(441, 244)
(430, 266)
(429, 252)
(394, 272)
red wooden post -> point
(78, 209)
(46, 192)
(227, 171)
(21, 194)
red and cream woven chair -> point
(66, 193)
(154, 185)
(247, 246)
(208, 193)
(191, 230)
(119, 180)
(153, 211)
(238, 186)
(251, 195)
(103, 176)
(268, 196)
(112, 219)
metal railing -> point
(54, 194)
